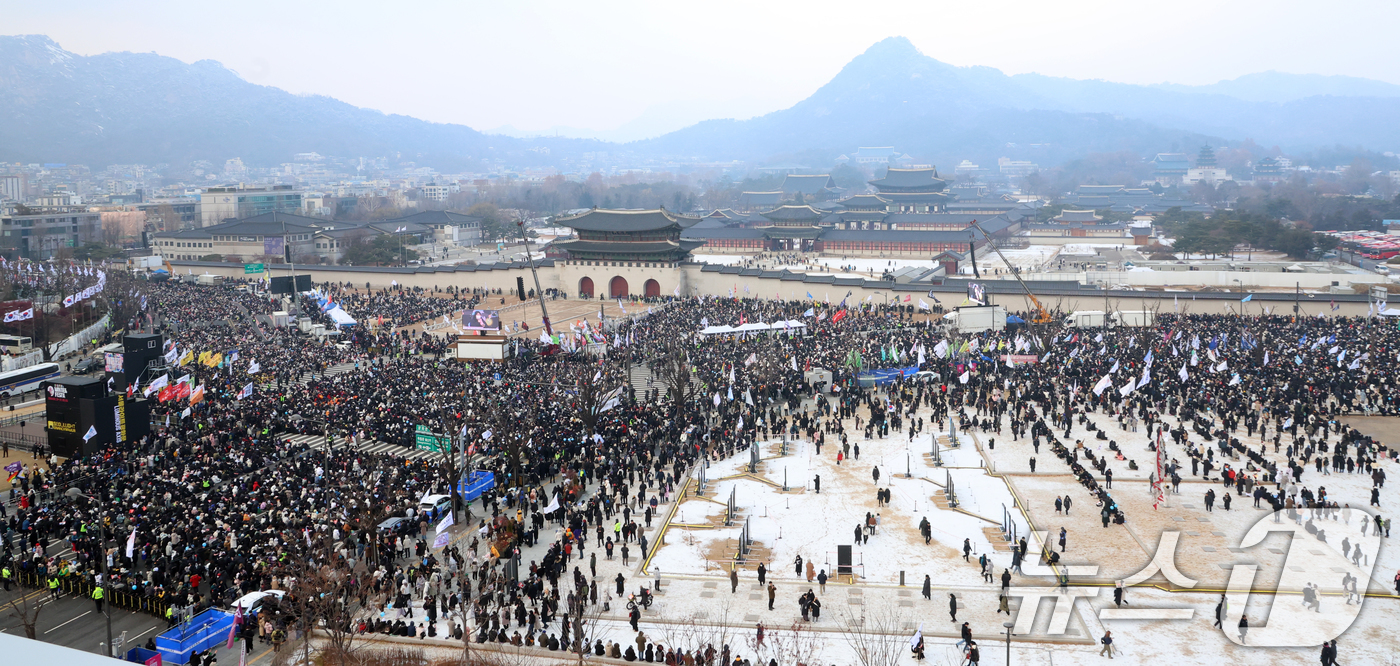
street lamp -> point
(1008, 625)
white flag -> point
(445, 523)
(1235, 380)
(1104, 383)
(91, 432)
(1220, 367)
(1182, 373)
(131, 544)
(1127, 388)
(553, 505)
(962, 379)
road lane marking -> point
(68, 622)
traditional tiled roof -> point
(760, 199)
(909, 180)
(1068, 215)
(608, 247)
(627, 220)
(698, 232)
(865, 201)
(794, 213)
(267, 224)
(808, 185)
(962, 219)
(436, 218)
(1097, 189)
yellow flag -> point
(189, 356)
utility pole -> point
(544, 314)
(106, 591)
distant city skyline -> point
(639, 69)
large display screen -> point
(481, 320)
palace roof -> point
(909, 180)
(599, 219)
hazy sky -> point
(601, 64)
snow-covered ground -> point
(991, 475)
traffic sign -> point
(426, 440)
(249, 269)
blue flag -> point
(1247, 299)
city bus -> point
(24, 380)
(15, 344)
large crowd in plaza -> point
(221, 501)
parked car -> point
(395, 525)
(87, 365)
(252, 602)
(435, 506)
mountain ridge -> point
(143, 107)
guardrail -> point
(116, 596)
(28, 417)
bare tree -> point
(27, 613)
(674, 370)
(595, 387)
(875, 636)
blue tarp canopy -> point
(201, 632)
(1013, 319)
(479, 483)
(885, 376)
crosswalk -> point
(373, 447)
(337, 369)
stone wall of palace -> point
(692, 279)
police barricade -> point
(201, 632)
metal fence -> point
(79, 586)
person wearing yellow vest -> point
(97, 595)
(5, 576)
(53, 587)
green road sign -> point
(249, 269)
(426, 440)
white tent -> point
(340, 317)
(716, 330)
(1390, 312)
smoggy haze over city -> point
(635, 69)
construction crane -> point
(1040, 316)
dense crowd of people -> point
(219, 501)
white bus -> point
(15, 344)
(17, 382)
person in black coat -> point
(953, 606)
(620, 582)
(928, 587)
